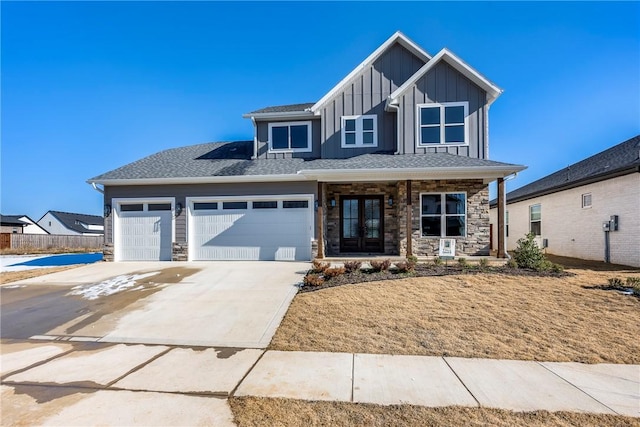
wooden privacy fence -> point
(49, 241)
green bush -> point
(413, 259)
(437, 261)
(462, 262)
(512, 263)
(483, 263)
(615, 282)
(528, 254)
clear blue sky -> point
(88, 87)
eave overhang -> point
(286, 115)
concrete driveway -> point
(213, 304)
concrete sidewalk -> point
(444, 381)
(74, 383)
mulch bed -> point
(424, 270)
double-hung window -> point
(444, 123)
(290, 137)
(359, 131)
(443, 214)
(535, 219)
(586, 200)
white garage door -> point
(144, 232)
(251, 229)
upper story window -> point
(290, 137)
(359, 131)
(444, 123)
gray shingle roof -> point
(284, 108)
(616, 160)
(70, 221)
(218, 159)
(13, 220)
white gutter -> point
(95, 187)
(201, 180)
(397, 108)
(280, 115)
(255, 139)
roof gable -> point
(73, 221)
(462, 67)
(397, 37)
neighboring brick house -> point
(390, 160)
(569, 209)
(12, 224)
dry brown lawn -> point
(485, 315)
(256, 411)
(14, 276)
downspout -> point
(255, 138)
(397, 108)
(95, 187)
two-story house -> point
(390, 160)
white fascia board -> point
(450, 58)
(336, 175)
(201, 180)
(281, 115)
(397, 36)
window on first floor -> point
(443, 214)
(506, 223)
(586, 200)
(359, 131)
(535, 219)
(442, 123)
(291, 136)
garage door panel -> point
(251, 234)
(145, 236)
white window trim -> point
(442, 106)
(116, 212)
(291, 150)
(359, 131)
(537, 220)
(590, 201)
(443, 224)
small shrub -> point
(557, 268)
(615, 282)
(377, 265)
(413, 259)
(351, 266)
(405, 266)
(512, 263)
(437, 261)
(330, 273)
(462, 262)
(633, 282)
(528, 254)
(319, 266)
(483, 264)
(313, 280)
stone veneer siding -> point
(390, 213)
(477, 240)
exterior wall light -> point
(390, 200)
(333, 203)
(107, 210)
(178, 209)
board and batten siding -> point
(444, 84)
(263, 141)
(181, 192)
(366, 93)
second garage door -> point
(264, 228)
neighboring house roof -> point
(13, 220)
(74, 221)
(231, 162)
(462, 67)
(618, 160)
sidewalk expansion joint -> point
(578, 388)
(461, 382)
(140, 366)
(353, 375)
(233, 391)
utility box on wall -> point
(613, 223)
(606, 226)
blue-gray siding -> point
(263, 142)
(444, 84)
(366, 93)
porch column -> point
(409, 225)
(320, 221)
(501, 218)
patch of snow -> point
(110, 286)
(14, 286)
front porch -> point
(361, 220)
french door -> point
(361, 224)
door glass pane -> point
(299, 136)
(430, 115)
(431, 226)
(431, 204)
(350, 228)
(455, 203)
(431, 135)
(372, 218)
(349, 218)
(455, 226)
(279, 137)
